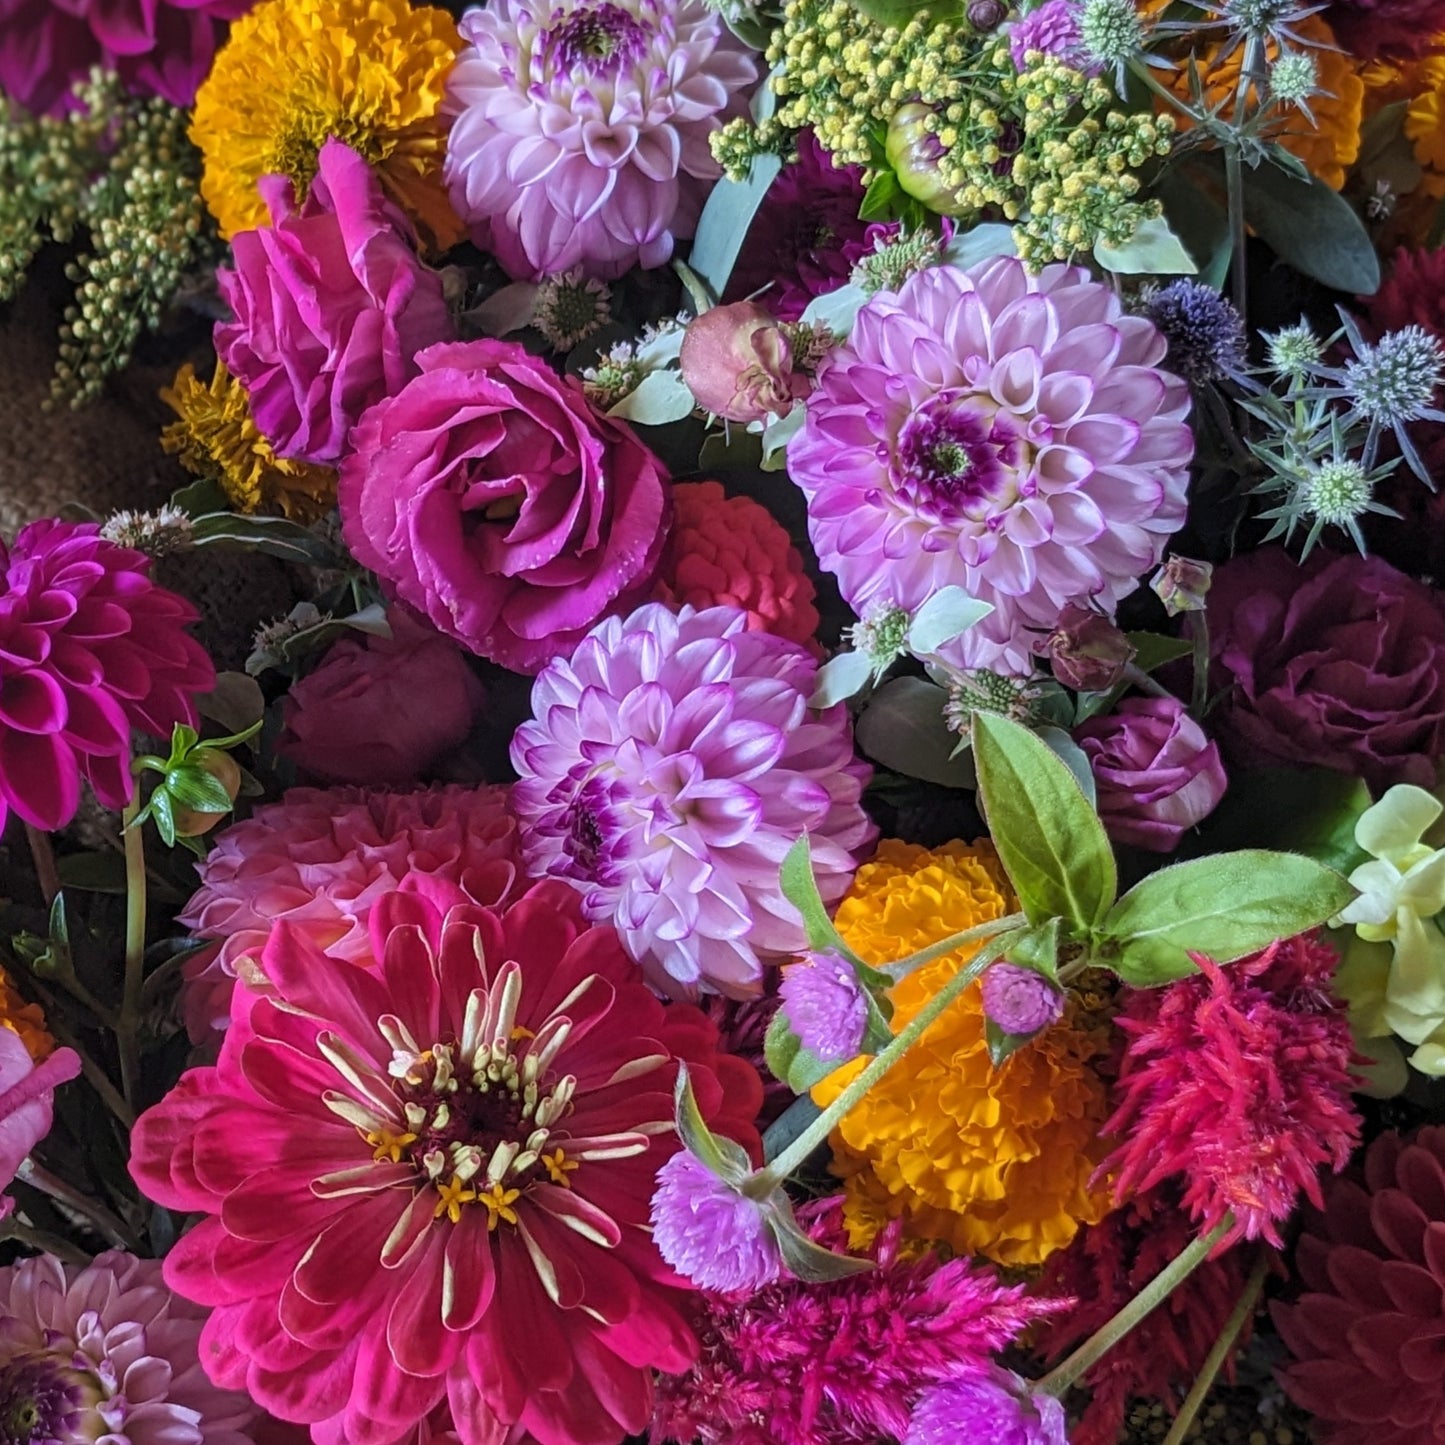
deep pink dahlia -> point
(329, 303)
(320, 860)
(580, 133)
(107, 1353)
(158, 47)
(90, 648)
(842, 1363)
(1010, 434)
(427, 1180)
(672, 763)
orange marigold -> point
(25, 1020)
(989, 1161)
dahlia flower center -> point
(599, 40)
(595, 825)
(43, 1400)
(958, 459)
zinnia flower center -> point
(957, 461)
(43, 1401)
(600, 40)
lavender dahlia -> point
(581, 128)
(1010, 434)
(672, 762)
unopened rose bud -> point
(914, 152)
(1182, 584)
(1088, 653)
(738, 362)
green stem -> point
(1234, 186)
(765, 1181)
(1199, 695)
(107, 1225)
(43, 856)
(128, 1025)
(43, 1242)
(1217, 1356)
(1066, 1372)
(948, 945)
(1135, 676)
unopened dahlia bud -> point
(738, 361)
(914, 151)
(1182, 584)
(1088, 652)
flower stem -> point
(764, 1182)
(1217, 1356)
(1135, 676)
(43, 856)
(43, 1242)
(955, 941)
(1234, 188)
(107, 1225)
(128, 1025)
(1199, 697)
(1066, 1372)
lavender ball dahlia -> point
(581, 129)
(672, 762)
(1008, 433)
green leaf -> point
(800, 888)
(900, 12)
(1049, 837)
(881, 197)
(93, 872)
(1002, 1046)
(1153, 250)
(948, 613)
(804, 1258)
(723, 225)
(194, 788)
(162, 814)
(197, 498)
(235, 702)
(273, 535)
(659, 398)
(776, 435)
(1153, 649)
(902, 728)
(1199, 221)
(1037, 948)
(837, 309)
(1074, 758)
(839, 678)
(789, 1061)
(729, 1161)
(1225, 906)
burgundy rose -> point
(495, 498)
(381, 711)
(1336, 663)
(1156, 772)
(330, 303)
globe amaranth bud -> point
(1088, 652)
(1020, 1000)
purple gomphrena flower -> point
(709, 1232)
(993, 1405)
(580, 132)
(671, 762)
(1052, 29)
(1019, 1000)
(1012, 434)
(825, 1005)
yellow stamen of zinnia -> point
(453, 1194)
(499, 1203)
(294, 73)
(217, 438)
(388, 1145)
(991, 1161)
(558, 1167)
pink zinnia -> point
(106, 1352)
(427, 1180)
(1007, 433)
(1239, 1082)
(90, 648)
(842, 1363)
(321, 860)
(580, 133)
(672, 763)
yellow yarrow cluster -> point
(988, 1161)
(25, 1020)
(217, 438)
(294, 73)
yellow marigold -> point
(989, 1161)
(25, 1020)
(217, 438)
(295, 72)
(1425, 121)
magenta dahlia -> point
(580, 131)
(428, 1180)
(107, 1353)
(1008, 433)
(1367, 1327)
(672, 763)
(90, 648)
(158, 47)
(321, 859)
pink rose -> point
(331, 304)
(496, 499)
(381, 711)
(739, 364)
(1157, 773)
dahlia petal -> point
(39, 778)
(33, 702)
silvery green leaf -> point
(800, 888)
(697, 291)
(660, 397)
(1074, 758)
(903, 729)
(949, 612)
(967, 248)
(839, 678)
(729, 1161)
(657, 351)
(776, 436)
(505, 311)
(837, 309)
(1153, 250)
(728, 213)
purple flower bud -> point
(825, 1005)
(986, 1404)
(985, 15)
(1020, 1000)
(705, 1229)
(1087, 651)
(1183, 584)
(738, 362)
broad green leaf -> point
(800, 888)
(273, 535)
(659, 398)
(1154, 649)
(729, 1161)
(948, 613)
(881, 197)
(1153, 250)
(236, 701)
(1048, 835)
(197, 499)
(93, 872)
(900, 12)
(837, 309)
(839, 678)
(903, 730)
(1075, 759)
(1200, 222)
(503, 312)
(723, 225)
(1225, 906)
(1037, 948)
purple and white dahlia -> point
(672, 762)
(1008, 433)
(580, 131)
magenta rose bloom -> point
(494, 497)
(331, 305)
(1156, 771)
(381, 710)
(1336, 663)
